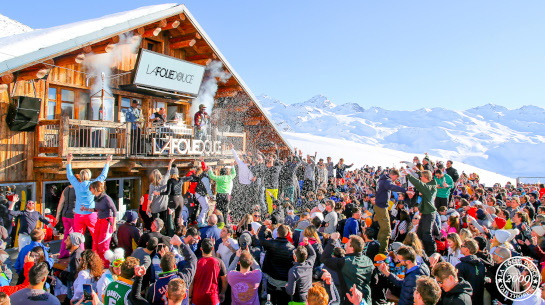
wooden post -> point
(128, 139)
(64, 137)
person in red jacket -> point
(9, 290)
(201, 119)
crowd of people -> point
(292, 229)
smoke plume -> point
(209, 87)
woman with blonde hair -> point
(84, 198)
(158, 204)
(414, 242)
(465, 233)
(311, 233)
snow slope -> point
(361, 154)
(509, 142)
(10, 27)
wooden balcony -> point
(131, 145)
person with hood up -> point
(385, 186)
(472, 268)
(455, 291)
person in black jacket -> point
(407, 258)
(372, 246)
(455, 291)
(175, 188)
(472, 268)
(277, 263)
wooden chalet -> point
(54, 68)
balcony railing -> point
(58, 138)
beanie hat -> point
(395, 246)
(473, 212)
(174, 171)
(379, 259)
(513, 233)
(500, 222)
(483, 243)
(480, 214)
(539, 230)
(77, 238)
(245, 239)
(502, 236)
(131, 216)
(112, 256)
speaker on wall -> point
(23, 113)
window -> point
(83, 105)
(51, 103)
(68, 98)
(70, 102)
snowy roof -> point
(10, 27)
(25, 48)
(21, 50)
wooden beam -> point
(182, 16)
(87, 49)
(140, 31)
(32, 74)
(204, 62)
(105, 48)
(45, 64)
(252, 121)
(183, 44)
(70, 59)
(171, 25)
(163, 23)
(185, 37)
(7, 78)
(201, 56)
(151, 33)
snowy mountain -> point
(10, 27)
(506, 141)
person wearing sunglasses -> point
(115, 259)
(406, 256)
(455, 290)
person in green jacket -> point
(444, 185)
(224, 185)
(428, 191)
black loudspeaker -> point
(23, 113)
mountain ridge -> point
(493, 137)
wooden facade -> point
(64, 87)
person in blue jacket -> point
(36, 236)
(84, 198)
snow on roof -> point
(10, 27)
(21, 49)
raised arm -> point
(104, 173)
(190, 267)
(69, 174)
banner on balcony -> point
(185, 146)
(159, 71)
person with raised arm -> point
(84, 198)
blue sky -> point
(392, 54)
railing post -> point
(128, 138)
(64, 136)
(37, 137)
